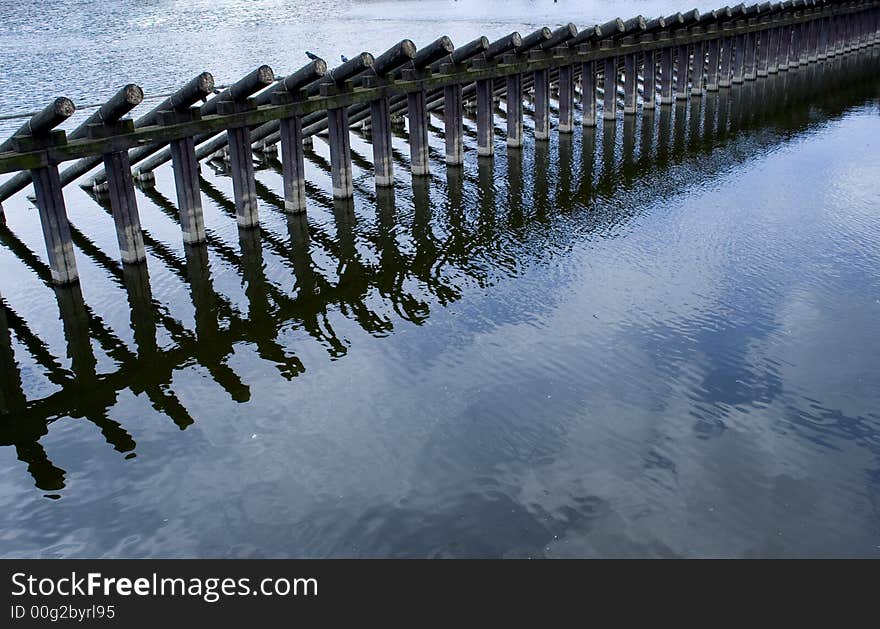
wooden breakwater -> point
(418, 255)
(651, 61)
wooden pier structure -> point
(641, 62)
(393, 266)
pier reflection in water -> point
(188, 337)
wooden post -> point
(794, 51)
(588, 93)
(292, 89)
(773, 38)
(186, 183)
(293, 165)
(751, 44)
(514, 110)
(726, 61)
(739, 59)
(241, 165)
(36, 134)
(417, 117)
(542, 104)
(566, 99)
(697, 69)
(784, 48)
(666, 82)
(609, 111)
(763, 61)
(485, 118)
(454, 124)
(650, 73)
(124, 207)
(56, 229)
(380, 129)
(630, 84)
(340, 153)
(380, 111)
(712, 68)
(682, 61)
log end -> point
(319, 67)
(408, 48)
(572, 29)
(516, 39)
(205, 83)
(132, 94)
(63, 107)
(446, 44)
(546, 33)
(265, 75)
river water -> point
(654, 338)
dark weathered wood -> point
(56, 229)
(804, 24)
(682, 63)
(739, 55)
(587, 35)
(750, 72)
(399, 54)
(634, 26)
(292, 83)
(126, 99)
(649, 94)
(42, 122)
(454, 124)
(667, 85)
(436, 50)
(293, 165)
(485, 119)
(588, 93)
(340, 154)
(657, 24)
(674, 21)
(697, 67)
(241, 170)
(241, 163)
(534, 40)
(612, 28)
(340, 74)
(198, 88)
(380, 128)
(712, 65)
(566, 99)
(560, 36)
(541, 80)
(726, 65)
(186, 184)
(124, 208)
(242, 89)
(469, 50)
(609, 85)
(514, 110)
(630, 84)
(503, 45)
(417, 118)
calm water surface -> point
(656, 338)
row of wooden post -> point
(683, 70)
